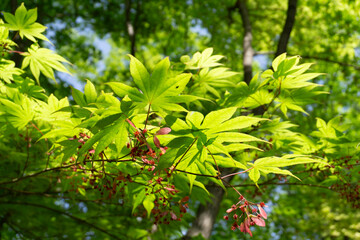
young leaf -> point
(78, 97)
(19, 113)
(157, 90)
(269, 165)
(140, 75)
(90, 92)
(104, 137)
(287, 160)
(278, 60)
(254, 175)
(139, 199)
(149, 203)
(24, 22)
(43, 60)
(8, 69)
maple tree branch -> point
(37, 173)
(147, 116)
(285, 183)
(187, 150)
(326, 59)
(27, 150)
(237, 173)
(217, 167)
(63, 213)
(197, 174)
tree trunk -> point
(248, 52)
(130, 26)
(206, 215)
(289, 24)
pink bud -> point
(156, 142)
(258, 221)
(229, 210)
(262, 212)
(173, 216)
(163, 131)
(130, 123)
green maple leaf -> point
(8, 69)
(204, 142)
(217, 132)
(24, 22)
(274, 164)
(155, 89)
(5, 43)
(43, 60)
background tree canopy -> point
(311, 114)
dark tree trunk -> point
(130, 26)
(207, 214)
(289, 24)
(248, 52)
(13, 5)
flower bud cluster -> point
(245, 214)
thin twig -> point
(232, 174)
(27, 150)
(147, 116)
(219, 173)
(197, 174)
(187, 150)
(37, 173)
(285, 183)
(63, 213)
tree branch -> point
(63, 213)
(285, 183)
(37, 173)
(326, 59)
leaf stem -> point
(147, 116)
(217, 167)
(187, 150)
(27, 150)
(197, 174)
(232, 174)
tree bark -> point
(130, 26)
(248, 51)
(206, 214)
(13, 5)
(289, 24)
